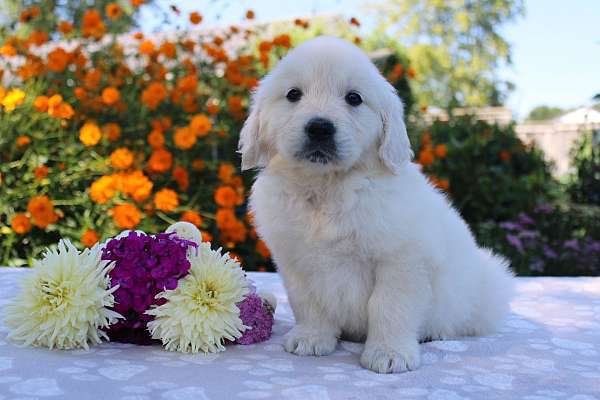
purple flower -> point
(258, 315)
(549, 253)
(515, 242)
(572, 244)
(526, 219)
(144, 266)
(544, 208)
(511, 226)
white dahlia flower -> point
(64, 303)
(201, 313)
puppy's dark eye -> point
(293, 95)
(353, 99)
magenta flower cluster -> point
(258, 315)
(144, 266)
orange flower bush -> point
(101, 134)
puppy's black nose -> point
(319, 129)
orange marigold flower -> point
(166, 200)
(426, 156)
(42, 211)
(235, 104)
(181, 176)
(121, 158)
(225, 218)
(265, 46)
(187, 83)
(160, 161)
(283, 40)
(40, 172)
(41, 103)
(53, 104)
(206, 237)
(65, 27)
(426, 138)
(8, 50)
(92, 79)
(200, 125)
(225, 173)
(20, 223)
(198, 164)
(112, 131)
(22, 141)
(126, 216)
(250, 14)
(80, 93)
(38, 38)
(184, 138)
(92, 25)
(113, 11)
(156, 139)
(411, 73)
(262, 249)
(90, 134)
(147, 47)
(134, 184)
(441, 150)
(505, 155)
(195, 18)
(192, 217)
(63, 110)
(89, 238)
(168, 49)
(236, 233)
(443, 184)
(154, 94)
(137, 3)
(102, 189)
(58, 59)
(110, 95)
(212, 106)
(225, 196)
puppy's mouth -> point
(317, 155)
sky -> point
(556, 45)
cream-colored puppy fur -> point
(367, 248)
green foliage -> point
(456, 47)
(584, 185)
(543, 113)
(492, 175)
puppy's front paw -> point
(308, 342)
(385, 360)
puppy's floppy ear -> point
(249, 145)
(394, 148)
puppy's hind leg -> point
(396, 309)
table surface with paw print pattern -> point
(548, 348)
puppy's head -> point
(325, 107)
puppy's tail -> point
(497, 287)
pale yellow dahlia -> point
(201, 313)
(64, 303)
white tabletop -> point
(549, 348)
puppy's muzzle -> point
(320, 145)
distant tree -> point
(542, 113)
(455, 46)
